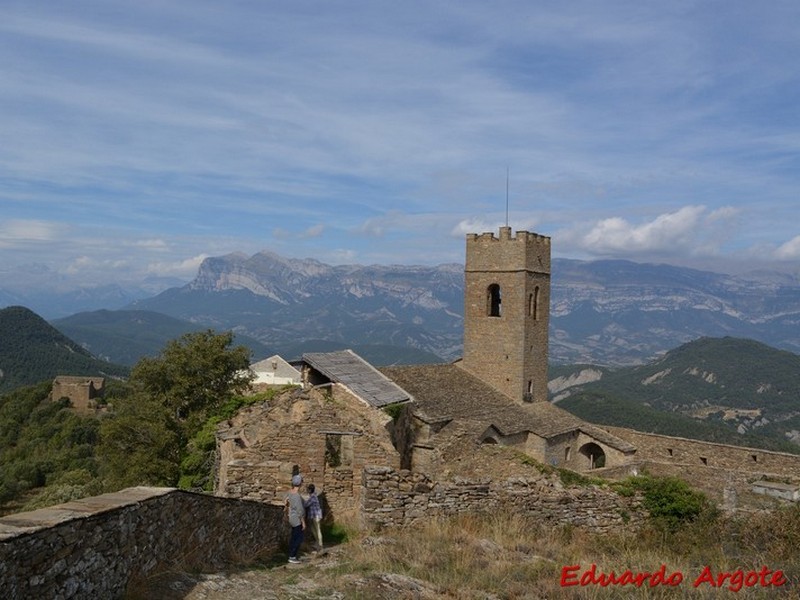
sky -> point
(138, 138)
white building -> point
(275, 371)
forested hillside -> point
(44, 444)
(157, 428)
(727, 390)
(32, 351)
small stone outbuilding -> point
(82, 392)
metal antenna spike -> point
(507, 196)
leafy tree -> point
(160, 427)
(194, 375)
(139, 445)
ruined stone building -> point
(439, 416)
(82, 392)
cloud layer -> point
(139, 137)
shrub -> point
(669, 500)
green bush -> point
(669, 500)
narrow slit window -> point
(493, 300)
(533, 304)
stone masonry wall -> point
(401, 497)
(97, 547)
(652, 447)
(259, 446)
(724, 473)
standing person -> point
(314, 515)
(296, 511)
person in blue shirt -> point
(295, 510)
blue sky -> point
(140, 137)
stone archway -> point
(594, 454)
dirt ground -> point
(312, 579)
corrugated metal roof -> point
(360, 377)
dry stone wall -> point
(653, 447)
(393, 497)
(98, 547)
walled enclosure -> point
(98, 547)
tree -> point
(194, 375)
(139, 445)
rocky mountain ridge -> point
(282, 301)
(602, 312)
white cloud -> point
(617, 235)
(181, 268)
(474, 225)
(16, 231)
(789, 250)
(313, 231)
(152, 244)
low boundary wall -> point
(96, 547)
(392, 497)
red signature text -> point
(738, 579)
(734, 581)
(592, 576)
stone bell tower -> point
(507, 312)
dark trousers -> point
(295, 540)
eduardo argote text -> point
(572, 575)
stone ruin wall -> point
(105, 546)
(725, 473)
(100, 547)
(674, 450)
(82, 392)
(294, 434)
(393, 498)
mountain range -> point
(605, 312)
(602, 312)
(727, 390)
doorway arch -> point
(594, 454)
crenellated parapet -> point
(508, 252)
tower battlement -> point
(523, 251)
(505, 235)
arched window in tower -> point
(493, 300)
(533, 304)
